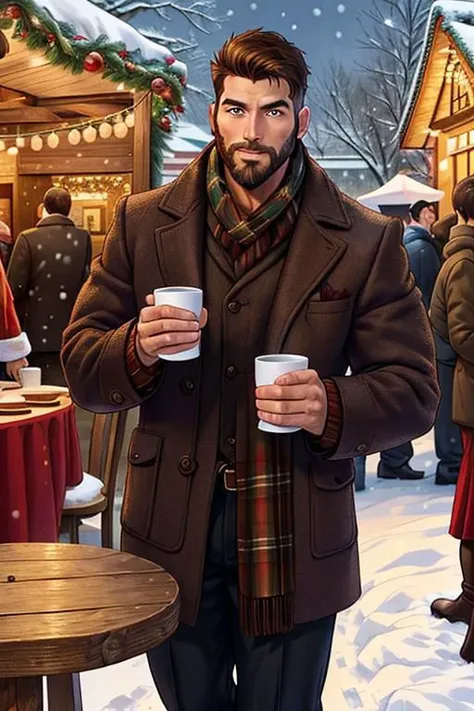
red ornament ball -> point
(179, 109)
(51, 38)
(13, 12)
(93, 62)
(24, 34)
(80, 38)
(157, 85)
(165, 123)
(170, 60)
(123, 53)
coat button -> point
(231, 441)
(186, 465)
(187, 385)
(234, 307)
(135, 455)
(361, 448)
(231, 372)
(117, 397)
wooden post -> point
(142, 144)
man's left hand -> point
(296, 399)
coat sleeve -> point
(19, 274)
(459, 299)
(95, 342)
(392, 394)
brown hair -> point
(260, 55)
(57, 202)
(463, 198)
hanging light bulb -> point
(130, 120)
(74, 137)
(89, 134)
(36, 143)
(105, 130)
(2, 145)
(20, 142)
(53, 140)
(120, 129)
(13, 151)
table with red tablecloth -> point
(39, 457)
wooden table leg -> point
(64, 692)
(23, 694)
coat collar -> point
(316, 245)
(55, 220)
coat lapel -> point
(313, 252)
(180, 244)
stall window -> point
(459, 90)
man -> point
(47, 269)
(424, 264)
(259, 530)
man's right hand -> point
(165, 330)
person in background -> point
(14, 344)
(5, 242)
(47, 269)
(448, 444)
(452, 316)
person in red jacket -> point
(14, 344)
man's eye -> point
(275, 112)
(235, 111)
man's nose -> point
(253, 128)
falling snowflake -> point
(31, 292)
(317, 12)
(51, 316)
(362, 176)
(67, 259)
(39, 299)
(42, 264)
(230, 13)
(48, 276)
(75, 243)
(69, 235)
(294, 27)
(389, 22)
(58, 256)
(45, 328)
(341, 9)
(283, 14)
(39, 246)
(253, 5)
(345, 174)
(339, 34)
(44, 340)
(15, 514)
(62, 295)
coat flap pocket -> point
(317, 306)
(332, 475)
(144, 447)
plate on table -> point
(8, 397)
(44, 393)
(9, 385)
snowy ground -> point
(389, 654)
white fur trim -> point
(14, 348)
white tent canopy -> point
(400, 190)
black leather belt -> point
(226, 475)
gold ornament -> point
(105, 130)
(53, 140)
(74, 137)
(89, 134)
(120, 129)
(36, 143)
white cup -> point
(267, 369)
(183, 297)
(30, 377)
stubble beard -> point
(253, 174)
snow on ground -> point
(389, 654)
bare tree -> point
(363, 109)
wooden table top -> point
(41, 411)
(70, 608)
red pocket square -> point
(328, 293)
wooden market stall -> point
(440, 115)
(85, 103)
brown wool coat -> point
(380, 330)
(452, 316)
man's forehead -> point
(263, 90)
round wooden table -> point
(66, 609)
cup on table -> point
(30, 377)
(182, 297)
(267, 369)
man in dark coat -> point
(259, 530)
(48, 266)
(424, 264)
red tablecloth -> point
(39, 456)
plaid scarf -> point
(249, 240)
(265, 526)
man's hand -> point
(13, 368)
(165, 330)
(296, 399)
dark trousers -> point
(397, 456)
(448, 445)
(193, 670)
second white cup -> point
(182, 297)
(267, 369)
(30, 377)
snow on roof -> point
(175, 144)
(458, 22)
(401, 190)
(91, 22)
(190, 132)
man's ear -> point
(212, 123)
(304, 118)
